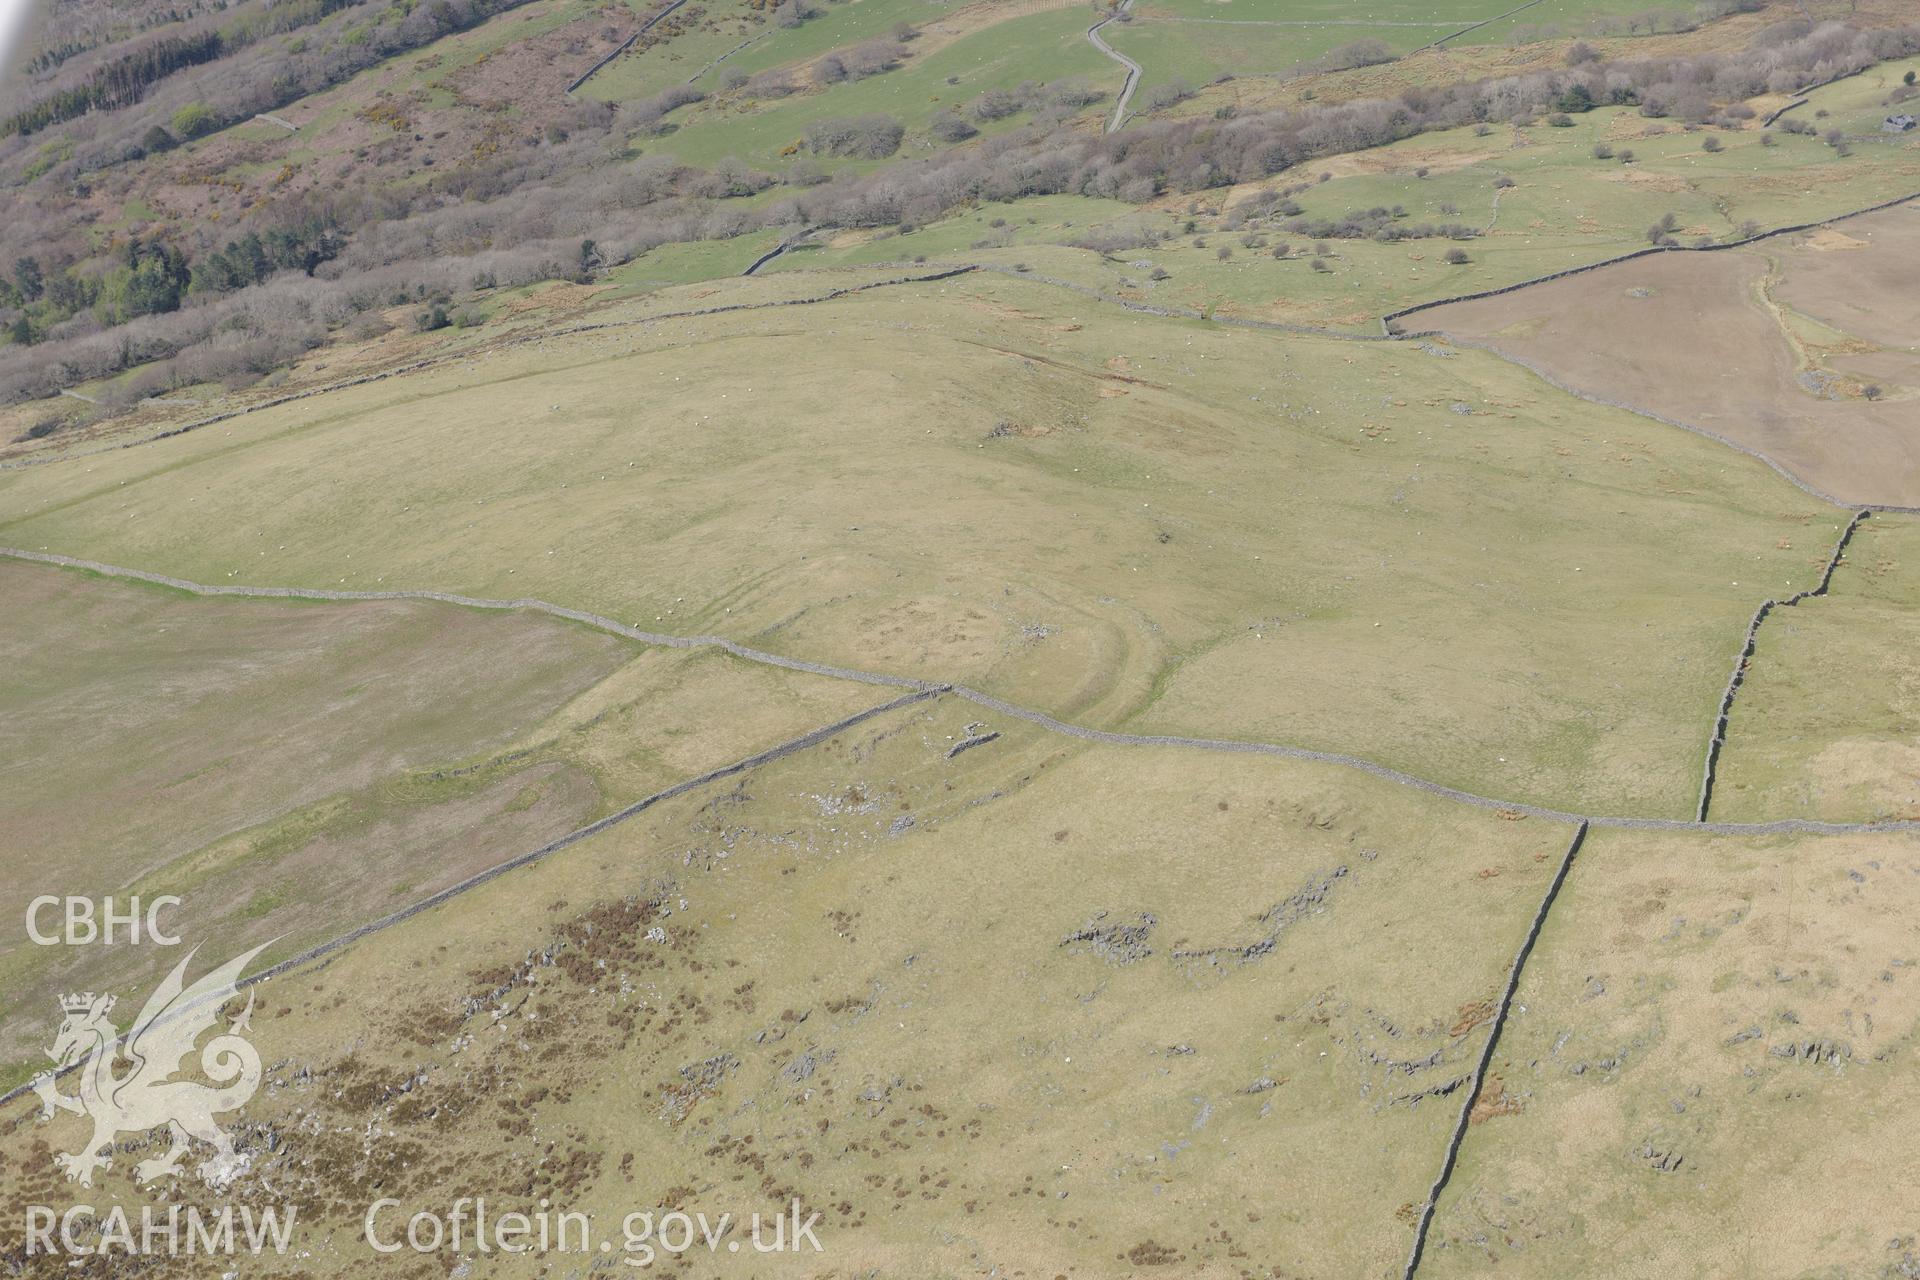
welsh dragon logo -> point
(140, 1096)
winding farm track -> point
(1787, 826)
(1390, 328)
(1133, 68)
(1560, 384)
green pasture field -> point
(1200, 40)
(694, 58)
(1044, 47)
(1566, 207)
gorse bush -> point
(873, 137)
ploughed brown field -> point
(1800, 347)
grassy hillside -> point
(813, 400)
(1422, 557)
(1031, 1004)
(292, 770)
(1703, 1016)
(1825, 722)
